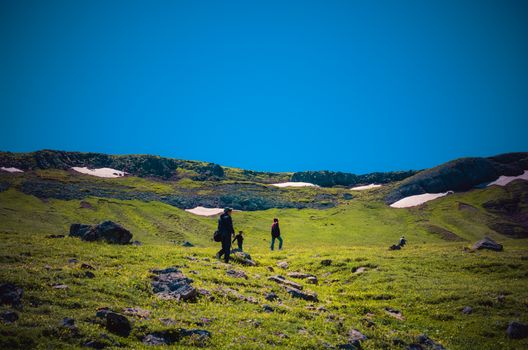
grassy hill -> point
(429, 281)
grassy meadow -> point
(429, 281)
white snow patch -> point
(418, 199)
(295, 184)
(12, 170)
(504, 180)
(366, 187)
(202, 211)
(101, 172)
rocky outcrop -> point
(517, 330)
(10, 294)
(169, 337)
(487, 243)
(460, 175)
(107, 231)
(171, 284)
(331, 178)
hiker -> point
(402, 241)
(225, 227)
(240, 239)
(275, 234)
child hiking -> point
(240, 239)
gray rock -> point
(10, 294)
(85, 266)
(326, 262)
(267, 308)
(169, 337)
(136, 312)
(487, 243)
(187, 244)
(170, 283)
(517, 330)
(118, 324)
(283, 265)
(467, 310)
(107, 231)
(425, 340)
(284, 281)
(271, 296)
(302, 295)
(67, 322)
(236, 274)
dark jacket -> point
(225, 225)
(275, 230)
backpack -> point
(217, 236)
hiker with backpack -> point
(275, 234)
(225, 231)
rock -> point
(102, 312)
(187, 244)
(394, 313)
(67, 322)
(73, 261)
(89, 274)
(10, 294)
(235, 295)
(170, 283)
(309, 278)
(108, 231)
(136, 312)
(487, 243)
(302, 295)
(415, 347)
(283, 264)
(9, 316)
(326, 262)
(425, 340)
(356, 336)
(136, 243)
(59, 286)
(242, 257)
(517, 330)
(55, 236)
(270, 269)
(271, 296)
(359, 269)
(236, 274)
(85, 266)
(205, 293)
(467, 310)
(94, 344)
(85, 205)
(284, 281)
(118, 324)
(169, 337)
(267, 308)
(347, 347)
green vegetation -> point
(430, 281)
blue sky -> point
(354, 86)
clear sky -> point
(354, 86)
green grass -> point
(429, 281)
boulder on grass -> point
(107, 231)
(487, 243)
(118, 324)
(10, 294)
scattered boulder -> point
(267, 308)
(270, 269)
(85, 266)
(89, 274)
(107, 231)
(302, 295)
(95, 344)
(171, 283)
(187, 244)
(67, 322)
(487, 243)
(235, 295)
(309, 278)
(281, 280)
(394, 313)
(102, 312)
(9, 316)
(467, 310)
(10, 294)
(85, 205)
(425, 340)
(283, 264)
(242, 258)
(236, 274)
(271, 296)
(356, 336)
(136, 312)
(326, 262)
(517, 330)
(169, 337)
(118, 324)
(136, 243)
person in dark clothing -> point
(275, 234)
(239, 238)
(225, 227)
(403, 241)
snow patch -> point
(12, 170)
(295, 184)
(418, 199)
(366, 187)
(202, 211)
(101, 172)
(504, 180)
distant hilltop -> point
(457, 175)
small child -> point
(240, 239)
(403, 241)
